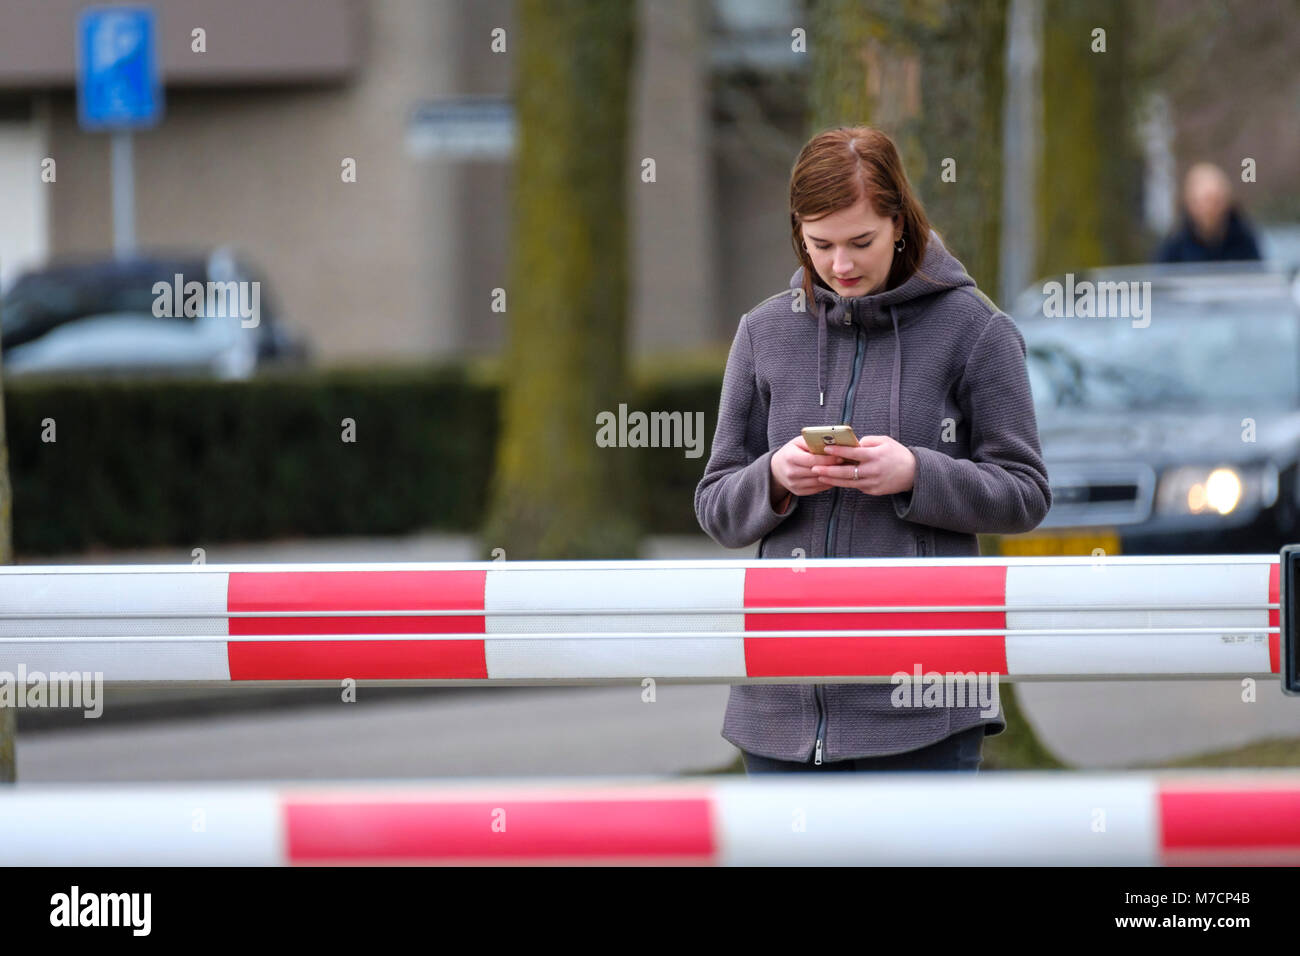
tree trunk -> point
(555, 493)
(962, 83)
(1090, 169)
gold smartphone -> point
(820, 437)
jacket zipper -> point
(821, 723)
(844, 417)
(860, 342)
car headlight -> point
(1197, 489)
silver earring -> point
(898, 246)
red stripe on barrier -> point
(1197, 822)
(327, 591)
(527, 831)
(359, 660)
(1275, 619)
(876, 587)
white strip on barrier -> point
(142, 602)
(1031, 822)
(163, 826)
(655, 593)
(1140, 651)
(1189, 818)
(730, 621)
(120, 659)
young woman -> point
(881, 328)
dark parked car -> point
(1176, 431)
(134, 316)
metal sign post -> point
(119, 89)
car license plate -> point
(1057, 542)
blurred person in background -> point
(1212, 228)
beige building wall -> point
(752, 186)
(261, 168)
(674, 275)
(481, 204)
(24, 240)
(401, 264)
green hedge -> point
(187, 463)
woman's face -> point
(852, 249)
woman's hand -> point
(792, 467)
(884, 467)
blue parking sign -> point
(118, 82)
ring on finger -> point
(855, 472)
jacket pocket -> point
(921, 547)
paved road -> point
(573, 730)
(578, 730)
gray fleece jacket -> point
(899, 363)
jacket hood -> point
(939, 272)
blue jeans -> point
(960, 751)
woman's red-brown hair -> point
(834, 171)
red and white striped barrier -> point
(733, 621)
(893, 819)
